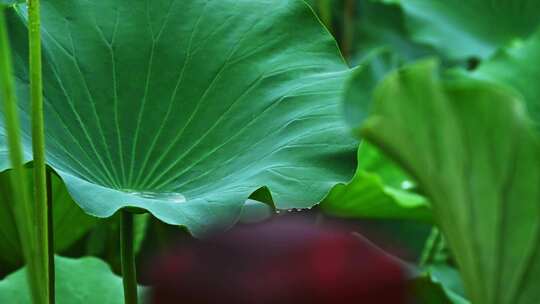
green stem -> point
(44, 261)
(23, 209)
(129, 272)
(50, 226)
(431, 248)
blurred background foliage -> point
(377, 36)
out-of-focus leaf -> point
(450, 280)
(361, 85)
(78, 281)
(6, 3)
(517, 66)
(382, 25)
(440, 284)
(464, 28)
(403, 238)
(104, 239)
(474, 153)
(10, 249)
(184, 108)
(379, 189)
(70, 223)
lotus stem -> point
(22, 206)
(129, 272)
(50, 226)
(431, 248)
(44, 255)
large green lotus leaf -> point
(379, 189)
(184, 108)
(70, 223)
(461, 29)
(517, 66)
(474, 153)
(78, 281)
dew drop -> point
(173, 197)
(406, 185)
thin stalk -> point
(431, 248)
(22, 209)
(45, 253)
(50, 226)
(129, 272)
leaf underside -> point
(184, 108)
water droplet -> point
(173, 197)
(406, 185)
